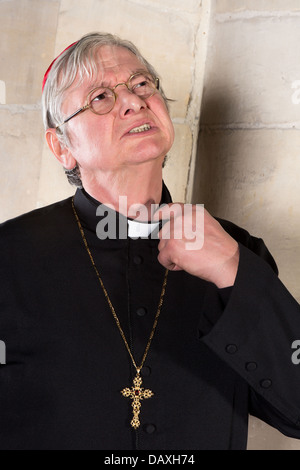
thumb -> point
(169, 211)
(165, 257)
(162, 213)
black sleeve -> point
(210, 316)
(253, 331)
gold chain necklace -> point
(136, 393)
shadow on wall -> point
(211, 185)
(240, 175)
(233, 164)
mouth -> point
(143, 128)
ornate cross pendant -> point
(137, 394)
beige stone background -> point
(233, 67)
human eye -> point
(141, 84)
(101, 94)
(101, 100)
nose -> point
(129, 103)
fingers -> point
(182, 222)
(193, 241)
(167, 255)
(168, 211)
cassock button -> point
(137, 259)
(251, 366)
(141, 311)
(231, 348)
(146, 371)
(266, 383)
(149, 428)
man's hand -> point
(215, 254)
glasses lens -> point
(102, 100)
(143, 85)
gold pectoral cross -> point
(136, 393)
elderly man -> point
(136, 341)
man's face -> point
(104, 142)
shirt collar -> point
(86, 208)
(141, 229)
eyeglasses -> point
(101, 100)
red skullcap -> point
(50, 66)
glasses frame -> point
(127, 84)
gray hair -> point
(78, 61)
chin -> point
(158, 160)
(150, 156)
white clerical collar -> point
(141, 229)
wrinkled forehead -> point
(113, 57)
(107, 65)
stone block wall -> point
(233, 69)
(248, 161)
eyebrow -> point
(105, 84)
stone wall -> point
(248, 161)
(240, 157)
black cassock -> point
(217, 354)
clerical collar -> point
(88, 207)
(141, 229)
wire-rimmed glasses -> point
(101, 100)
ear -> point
(61, 152)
